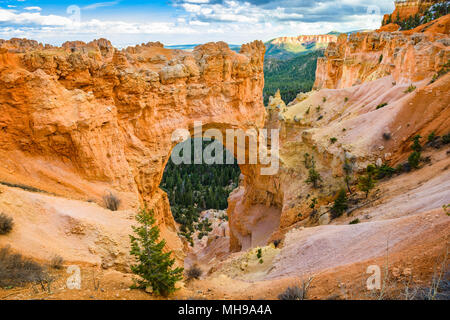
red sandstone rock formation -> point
(357, 74)
(364, 57)
(407, 8)
(85, 119)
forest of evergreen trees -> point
(291, 76)
(193, 188)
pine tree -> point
(340, 204)
(348, 179)
(314, 178)
(414, 158)
(416, 144)
(153, 266)
(366, 183)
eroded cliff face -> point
(340, 123)
(84, 120)
(408, 8)
(366, 57)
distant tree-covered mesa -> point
(291, 76)
(193, 188)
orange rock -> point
(84, 119)
(369, 56)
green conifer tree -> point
(340, 204)
(153, 266)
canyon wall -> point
(83, 120)
(365, 57)
(341, 122)
(406, 8)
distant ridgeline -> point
(191, 47)
(284, 48)
(290, 64)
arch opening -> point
(197, 189)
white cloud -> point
(200, 21)
(100, 4)
(33, 8)
(10, 16)
(197, 1)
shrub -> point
(346, 99)
(333, 140)
(324, 99)
(314, 178)
(295, 292)
(431, 136)
(259, 253)
(380, 58)
(153, 266)
(414, 160)
(339, 205)
(416, 144)
(366, 183)
(193, 272)
(406, 167)
(446, 208)
(313, 203)
(6, 224)
(386, 136)
(308, 161)
(410, 89)
(384, 171)
(446, 138)
(15, 270)
(381, 105)
(292, 293)
(111, 202)
(57, 262)
(356, 221)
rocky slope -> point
(369, 56)
(341, 121)
(84, 120)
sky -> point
(175, 22)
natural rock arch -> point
(106, 117)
